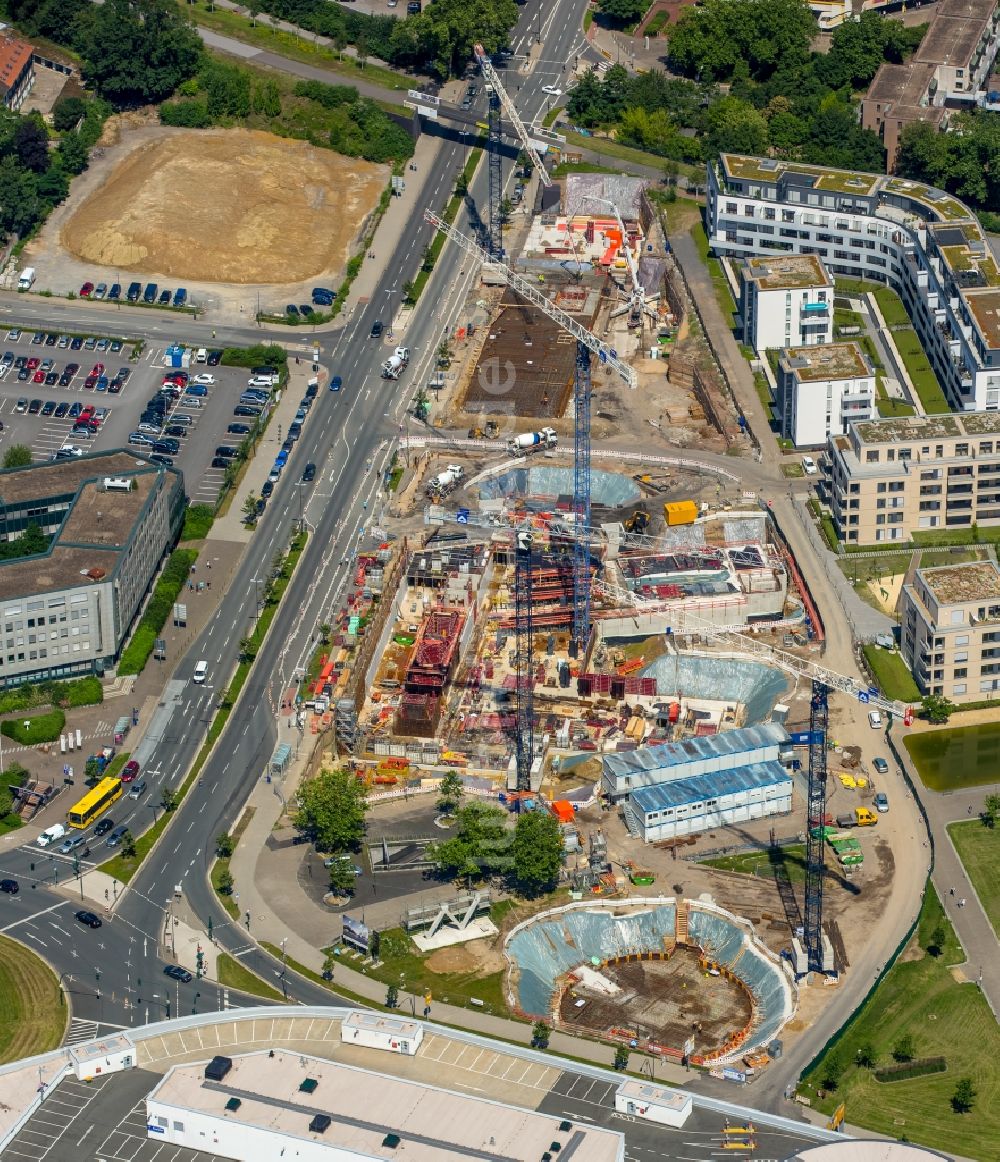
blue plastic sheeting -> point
(700, 788)
(730, 747)
(720, 679)
(545, 950)
(606, 488)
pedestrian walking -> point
(961, 902)
(970, 809)
(952, 892)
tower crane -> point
(527, 142)
(637, 298)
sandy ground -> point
(232, 206)
(887, 585)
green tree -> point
(342, 878)
(964, 1097)
(623, 11)
(540, 1034)
(621, 1058)
(736, 127)
(331, 810)
(867, 1058)
(73, 156)
(225, 882)
(391, 997)
(938, 937)
(329, 962)
(31, 144)
(67, 112)
(6, 800)
(991, 809)
(225, 845)
(450, 791)
(91, 771)
(481, 844)
(537, 852)
(248, 649)
(20, 206)
(250, 506)
(17, 456)
(936, 708)
(832, 1071)
(138, 51)
(128, 845)
(904, 1049)
(169, 799)
(267, 99)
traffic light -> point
(32, 865)
(200, 963)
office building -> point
(888, 478)
(922, 242)
(821, 390)
(950, 630)
(112, 517)
(17, 71)
(948, 71)
(785, 301)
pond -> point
(948, 760)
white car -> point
(809, 466)
(207, 380)
(552, 90)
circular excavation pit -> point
(671, 1000)
(673, 977)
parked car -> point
(180, 297)
(86, 290)
(100, 290)
(881, 802)
(116, 291)
(881, 766)
(149, 294)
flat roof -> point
(825, 361)
(941, 203)
(768, 169)
(698, 788)
(660, 1095)
(966, 251)
(954, 32)
(899, 85)
(985, 308)
(709, 746)
(61, 477)
(894, 431)
(433, 1125)
(971, 581)
(788, 270)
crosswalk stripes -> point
(80, 1031)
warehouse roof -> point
(699, 788)
(713, 746)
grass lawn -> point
(920, 371)
(985, 534)
(763, 863)
(32, 1006)
(920, 997)
(978, 848)
(891, 306)
(891, 672)
(233, 975)
(888, 406)
(403, 966)
(39, 728)
(608, 148)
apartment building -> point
(112, 517)
(17, 71)
(949, 70)
(950, 630)
(887, 478)
(922, 242)
(821, 390)
(786, 300)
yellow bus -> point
(94, 802)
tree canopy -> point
(623, 11)
(331, 810)
(537, 852)
(965, 162)
(480, 845)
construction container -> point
(680, 512)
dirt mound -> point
(478, 956)
(235, 206)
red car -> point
(38, 377)
(86, 290)
(130, 771)
(98, 370)
(89, 382)
(33, 363)
(86, 415)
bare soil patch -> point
(233, 206)
(477, 956)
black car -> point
(34, 407)
(288, 445)
(309, 473)
(75, 343)
(311, 391)
(237, 430)
(89, 919)
(134, 291)
(61, 410)
(165, 297)
(218, 462)
(305, 309)
(65, 379)
(149, 294)
(167, 447)
(160, 458)
(116, 291)
(51, 339)
(115, 838)
(104, 826)
(213, 358)
(376, 329)
(266, 489)
(176, 430)
(245, 409)
(175, 972)
(292, 310)
(294, 430)
(51, 378)
(11, 887)
(48, 407)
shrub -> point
(158, 609)
(904, 1070)
(197, 522)
(185, 114)
(40, 728)
(263, 354)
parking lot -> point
(63, 395)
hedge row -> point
(907, 1069)
(79, 692)
(159, 608)
(262, 355)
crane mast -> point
(527, 144)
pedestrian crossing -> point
(80, 1031)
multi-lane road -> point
(115, 974)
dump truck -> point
(397, 361)
(446, 481)
(528, 442)
(680, 512)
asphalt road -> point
(350, 436)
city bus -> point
(82, 814)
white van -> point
(51, 835)
(874, 720)
(198, 677)
(201, 355)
